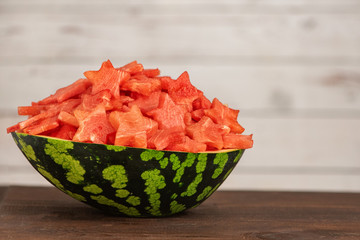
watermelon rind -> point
(128, 181)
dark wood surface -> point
(46, 213)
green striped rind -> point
(128, 181)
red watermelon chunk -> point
(29, 110)
(222, 114)
(188, 119)
(201, 102)
(107, 78)
(197, 114)
(151, 73)
(168, 114)
(237, 141)
(133, 106)
(146, 103)
(67, 106)
(164, 137)
(68, 92)
(132, 68)
(208, 132)
(80, 114)
(111, 138)
(66, 132)
(51, 111)
(44, 115)
(42, 125)
(13, 128)
(94, 128)
(68, 119)
(132, 127)
(186, 144)
(121, 103)
(89, 102)
(144, 86)
(165, 82)
(183, 92)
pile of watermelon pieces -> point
(136, 107)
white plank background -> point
(291, 67)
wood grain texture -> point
(43, 213)
(272, 90)
(309, 31)
(305, 37)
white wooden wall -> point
(292, 67)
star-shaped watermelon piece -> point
(133, 128)
(222, 114)
(208, 132)
(168, 114)
(107, 77)
(183, 92)
(93, 126)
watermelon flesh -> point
(135, 107)
(95, 127)
(133, 128)
(168, 114)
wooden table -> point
(46, 213)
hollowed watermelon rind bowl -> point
(128, 181)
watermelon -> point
(164, 137)
(66, 132)
(183, 92)
(168, 114)
(130, 142)
(68, 118)
(222, 114)
(151, 72)
(95, 127)
(146, 103)
(127, 181)
(133, 67)
(142, 85)
(133, 128)
(107, 78)
(65, 93)
(89, 101)
(28, 110)
(136, 107)
(208, 132)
